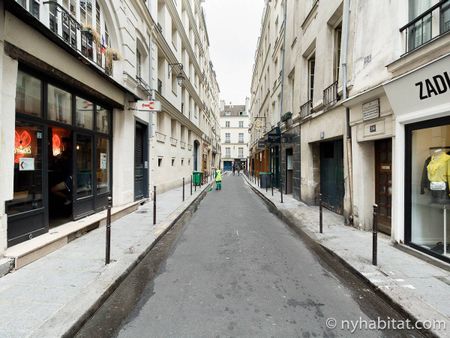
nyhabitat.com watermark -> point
(354, 325)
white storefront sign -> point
(425, 88)
(148, 105)
(26, 164)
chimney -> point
(247, 104)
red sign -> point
(22, 144)
(148, 105)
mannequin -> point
(437, 180)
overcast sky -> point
(233, 29)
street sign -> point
(148, 105)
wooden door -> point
(383, 183)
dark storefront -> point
(62, 157)
(332, 175)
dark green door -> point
(332, 175)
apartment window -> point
(420, 32)
(34, 8)
(173, 162)
(240, 152)
(227, 124)
(241, 124)
(174, 36)
(445, 17)
(227, 138)
(228, 152)
(138, 64)
(311, 72)
(174, 84)
(227, 113)
(241, 137)
(160, 161)
(337, 52)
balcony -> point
(189, 147)
(306, 109)
(428, 26)
(182, 145)
(160, 137)
(173, 142)
(83, 39)
(330, 95)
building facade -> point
(234, 135)
(363, 104)
(187, 132)
(71, 75)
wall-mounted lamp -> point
(178, 69)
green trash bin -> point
(197, 177)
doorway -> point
(60, 175)
(332, 175)
(140, 162)
(383, 184)
(289, 170)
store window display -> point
(430, 194)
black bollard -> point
(183, 189)
(281, 191)
(108, 231)
(191, 185)
(374, 235)
(271, 181)
(154, 204)
(267, 182)
(320, 215)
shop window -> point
(84, 113)
(430, 178)
(27, 169)
(84, 165)
(102, 121)
(59, 105)
(103, 165)
(28, 95)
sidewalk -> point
(50, 296)
(421, 289)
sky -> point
(233, 29)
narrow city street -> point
(236, 270)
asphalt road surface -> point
(236, 270)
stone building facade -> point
(366, 85)
(71, 75)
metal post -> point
(267, 182)
(374, 235)
(108, 231)
(281, 190)
(183, 189)
(154, 204)
(320, 215)
(191, 185)
(271, 181)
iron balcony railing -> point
(305, 109)
(420, 30)
(330, 95)
(84, 40)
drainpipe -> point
(344, 60)
(282, 83)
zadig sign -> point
(422, 89)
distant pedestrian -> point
(234, 168)
(218, 179)
(238, 168)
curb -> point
(75, 327)
(282, 215)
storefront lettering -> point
(438, 84)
